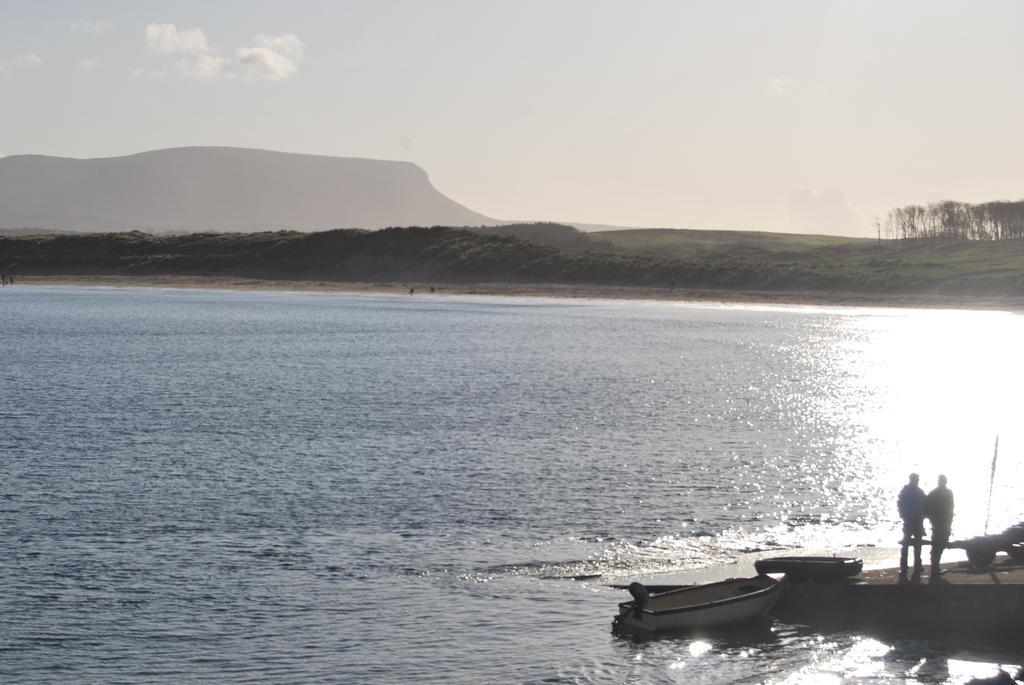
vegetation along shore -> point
(542, 259)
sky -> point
(808, 116)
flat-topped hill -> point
(222, 189)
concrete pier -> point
(961, 601)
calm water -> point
(276, 488)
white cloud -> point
(85, 26)
(272, 58)
(88, 64)
(287, 44)
(164, 39)
(9, 65)
(263, 64)
(821, 211)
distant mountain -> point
(221, 189)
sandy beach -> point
(578, 291)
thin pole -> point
(991, 481)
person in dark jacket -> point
(938, 509)
(911, 508)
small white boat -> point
(699, 606)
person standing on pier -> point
(911, 508)
(938, 509)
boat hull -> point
(702, 606)
(811, 568)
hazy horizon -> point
(798, 116)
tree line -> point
(1001, 220)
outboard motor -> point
(641, 597)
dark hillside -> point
(555, 235)
(441, 254)
(668, 241)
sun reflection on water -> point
(699, 647)
(858, 659)
(926, 391)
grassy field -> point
(680, 241)
(952, 267)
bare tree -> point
(949, 220)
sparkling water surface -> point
(297, 488)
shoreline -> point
(548, 290)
